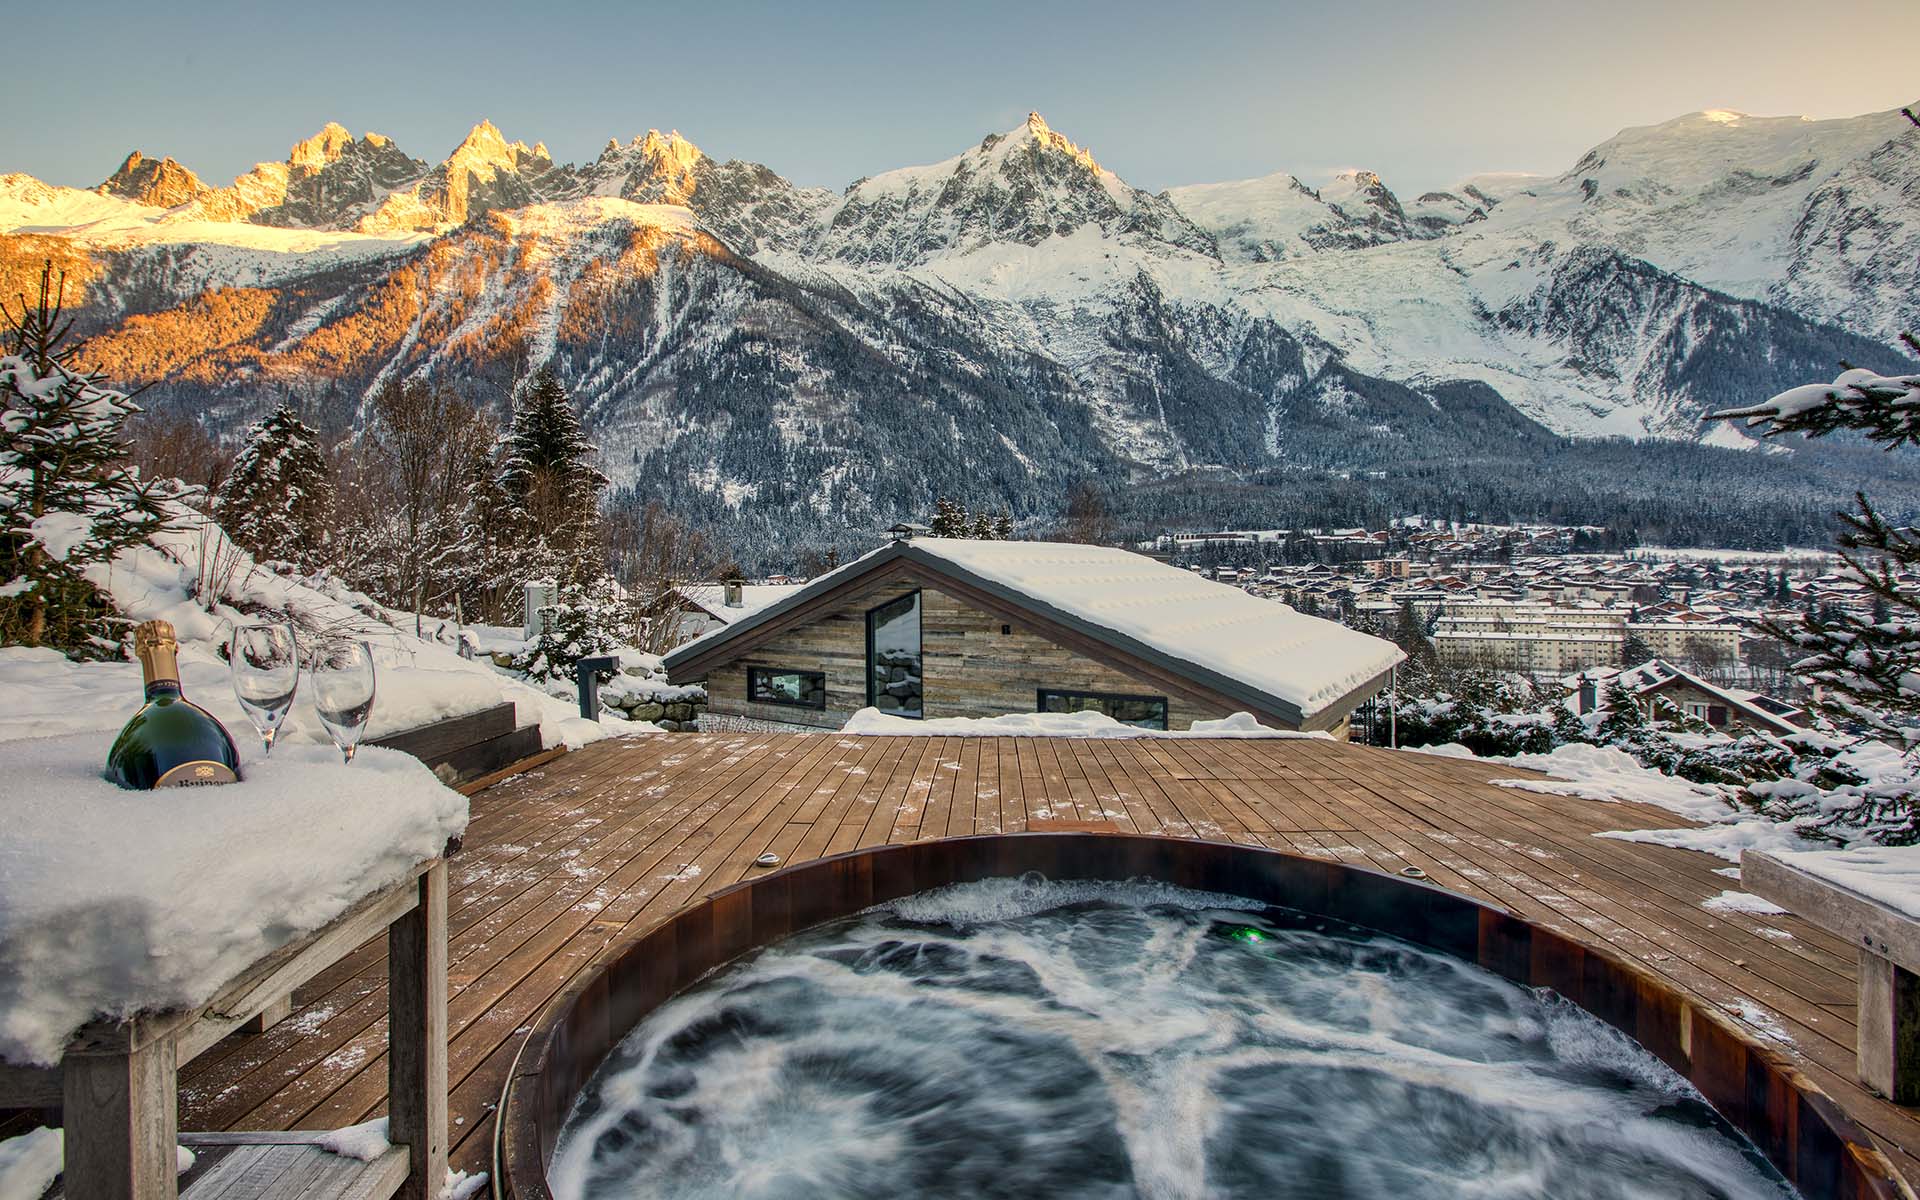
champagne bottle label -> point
(196, 774)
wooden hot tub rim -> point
(1796, 1125)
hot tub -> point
(1277, 936)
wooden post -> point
(417, 1036)
(275, 1012)
(121, 1116)
(1888, 1043)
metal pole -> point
(587, 672)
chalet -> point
(1730, 710)
(945, 627)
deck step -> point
(435, 743)
(281, 1166)
(493, 754)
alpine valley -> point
(797, 364)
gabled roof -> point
(1656, 673)
(711, 599)
(1257, 651)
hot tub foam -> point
(1100, 1039)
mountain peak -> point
(484, 139)
(161, 182)
(322, 148)
(1037, 132)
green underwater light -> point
(1246, 934)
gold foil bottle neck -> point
(152, 634)
(155, 645)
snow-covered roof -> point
(1214, 633)
(711, 598)
(1658, 672)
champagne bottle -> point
(171, 741)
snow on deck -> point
(1306, 661)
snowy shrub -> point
(1490, 713)
(584, 622)
(1841, 790)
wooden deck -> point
(575, 857)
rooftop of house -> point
(1212, 632)
(711, 598)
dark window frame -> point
(821, 676)
(920, 610)
(1166, 708)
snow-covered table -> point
(139, 928)
(117, 1083)
(1871, 898)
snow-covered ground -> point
(1609, 775)
(1603, 773)
(200, 581)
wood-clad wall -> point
(971, 668)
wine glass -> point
(343, 690)
(265, 661)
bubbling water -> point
(1026, 1038)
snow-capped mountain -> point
(759, 347)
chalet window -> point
(796, 689)
(1148, 712)
(893, 657)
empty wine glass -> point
(343, 690)
(265, 661)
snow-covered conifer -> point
(69, 499)
(949, 520)
(278, 497)
(547, 470)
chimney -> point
(730, 593)
(1589, 694)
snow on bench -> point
(1870, 897)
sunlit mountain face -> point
(1015, 317)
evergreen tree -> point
(949, 520)
(547, 470)
(1634, 650)
(1623, 721)
(68, 498)
(1003, 526)
(981, 527)
(278, 497)
(584, 621)
(1868, 671)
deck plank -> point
(564, 865)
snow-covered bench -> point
(1871, 898)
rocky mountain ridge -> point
(775, 353)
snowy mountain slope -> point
(1819, 216)
(1023, 186)
(775, 353)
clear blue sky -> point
(1164, 93)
